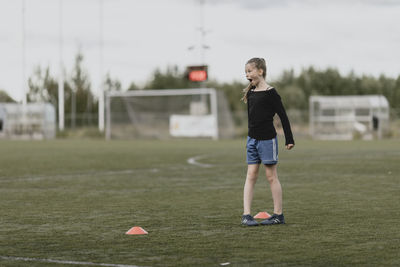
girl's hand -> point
(289, 146)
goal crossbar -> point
(162, 92)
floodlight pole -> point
(202, 45)
(24, 87)
(23, 79)
(61, 72)
(101, 86)
(203, 32)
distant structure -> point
(348, 117)
(27, 121)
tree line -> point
(81, 105)
(295, 89)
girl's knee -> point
(271, 176)
(271, 173)
(252, 176)
(252, 172)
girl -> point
(263, 102)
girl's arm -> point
(280, 110)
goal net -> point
(163, 114)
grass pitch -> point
(74, 200)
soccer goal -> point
(163, 114)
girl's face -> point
(253, 74)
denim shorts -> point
(262, 151)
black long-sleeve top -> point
(261, 108)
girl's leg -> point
(251, 179)
(276, 188)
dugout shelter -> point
(30, 121)
(348, 117)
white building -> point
(347, 117)
(33, 121)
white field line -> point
(77, 175)
(193, 161)
(65, 262)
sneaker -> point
(248, 220)
(274, 219)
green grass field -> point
(73, 200)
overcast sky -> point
(140, 36)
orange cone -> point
(136, 231)
(262, 215)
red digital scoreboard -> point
(197, 73)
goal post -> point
(162, 114)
